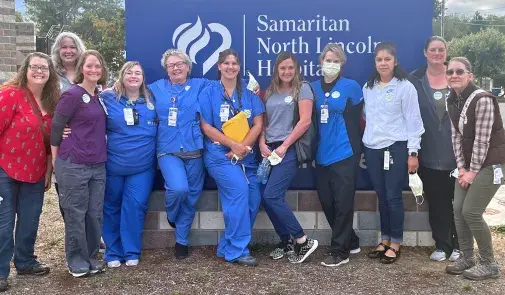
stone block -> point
(308, 201)
(409, 203)
(418, 221)
(424, 239)
(208, 201)
(368, 220)
(203, 237)
(164, 225)
(322, 222)
(262, 222)
(365, 201)
(291, 199)
(367, 237)
(152, 221)
(323, 237)
(211, 220)
(156, 239)
(410, 238)
(262, 237)
(157, 201)
(306, 219)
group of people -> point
(104, 147)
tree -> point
(104, 34)
(437, 9)
(19, 17)
(46, 13)
(485, 50)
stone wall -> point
(25, 38)
(208, 225)
(7, 40)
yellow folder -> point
(237, 127)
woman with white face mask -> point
(338, 106)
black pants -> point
(336, 186)
(439, 190)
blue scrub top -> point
(211, 100)
(334, 143)
(130, 149)
(186, 136)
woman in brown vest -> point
(478, 140)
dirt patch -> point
(203, 273)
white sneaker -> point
(355, 251)
(455, 255)
(114, 264)
(133, 262)
(438, 255)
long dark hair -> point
(222, 57)
(398, 72)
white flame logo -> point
(182, 41)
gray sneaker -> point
(460, 265)
(283, 248)
(482, 272)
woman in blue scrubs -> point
(338, 105)
(130, 166)
(179, 143)
(232, 164)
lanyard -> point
(173, 98)
(227, 100)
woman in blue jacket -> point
(232, 164)
(130, 166)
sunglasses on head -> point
(458, 72)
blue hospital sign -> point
(258, 30)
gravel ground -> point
(160, 273)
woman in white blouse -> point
(392, 139)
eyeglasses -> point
(458, 72)
(173, 65)
(36, 68)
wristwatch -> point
(413, 154)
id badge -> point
(324, 114)
(498, 174)
(387, 160)
(224, 112)
(172, 116)
(128, 116)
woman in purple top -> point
(79, 163)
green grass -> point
(498, 229)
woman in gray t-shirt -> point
(279, 135)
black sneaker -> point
(334, 260)
(38, 269)
(302, 251)
(4, 285)
(283, 248)
(181, 251)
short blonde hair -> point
(180, 54)
(335, 48)
(55, 49)
(79, 77)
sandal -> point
(388, 259)
(378, 253)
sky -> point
(453, 6)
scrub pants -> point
(274, 197)
(239, 193)
(124, 211)
(183, 186)
(388, 185)
(82, 189)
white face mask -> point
(416, 185)
(331, 69)
(274, 159)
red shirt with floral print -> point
(23, 155)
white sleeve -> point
(412, 116)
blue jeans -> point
(388, 184)
(274, 196)
(24, 200)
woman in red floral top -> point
(27, 103)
